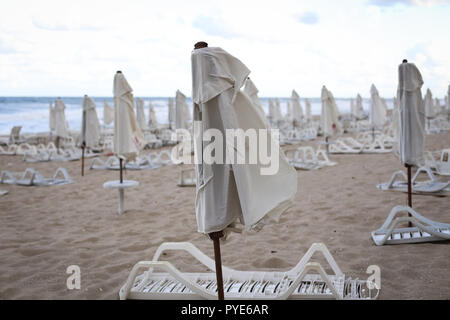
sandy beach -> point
(44, 230)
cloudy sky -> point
(72, 48)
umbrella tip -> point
(200, 44)
(405, 61)
(119, 71)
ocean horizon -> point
(32, 113)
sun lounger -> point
(8, 151)
(441, 166)
(32, 177)
(187, 178)
(340, 147)
(307, 280)
(305, 158)
(422, 230)
(113, 163)
(430, 187)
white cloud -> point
(72, 48)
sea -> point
(32, 113)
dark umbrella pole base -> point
(215, 237)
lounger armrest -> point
(310, 266)
(322, 248)
(190, 248)
(169, 268)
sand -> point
(44, 230)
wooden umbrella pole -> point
(121, 170)
(82, 159)
(327, 145)
(408, 167)
(215, 236)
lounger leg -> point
(121, 201)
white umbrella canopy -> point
(447, 101)
(108, 113)
(308, 114)
(90, 126)
(277, 108)
(412, 115)
(51, 122)
(171, 106)
(329, 118)
(297, 110)
(182, 114)
(378, 110)
(272, 112)
(61, 127)
(359, 110)
(252, 92)
(152, 121)
(352, 108)
(128, 137)
(395, 124)
(288, 117)
(429, 105)
(140, 114)
(228, 193)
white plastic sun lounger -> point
(113, 163)
(340, 147)
(9, 151)
(441, 166)
(307, 280)
(422, 230)
(430, 187)
(305, 158)
(32, 177)
(187, 178)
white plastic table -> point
(126, 184)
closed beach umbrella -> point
(51, 117)
(251, 90)
(277, 108)
(272, 113)
(171, 106)
(429, 105)
(352, 108)
(288, 117)
(90, 126)
(140, 115)
(395, 124)
(152, 121)
(108, 113)
(377, 109)
(411, 106)
(61, 127)
(297, 111)
(224, 196)
(359, 111)
(329, 118)
(308, 110)
(182, 114)
(447, 102)
(128, 137)
(412, 119)
(230, 193)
